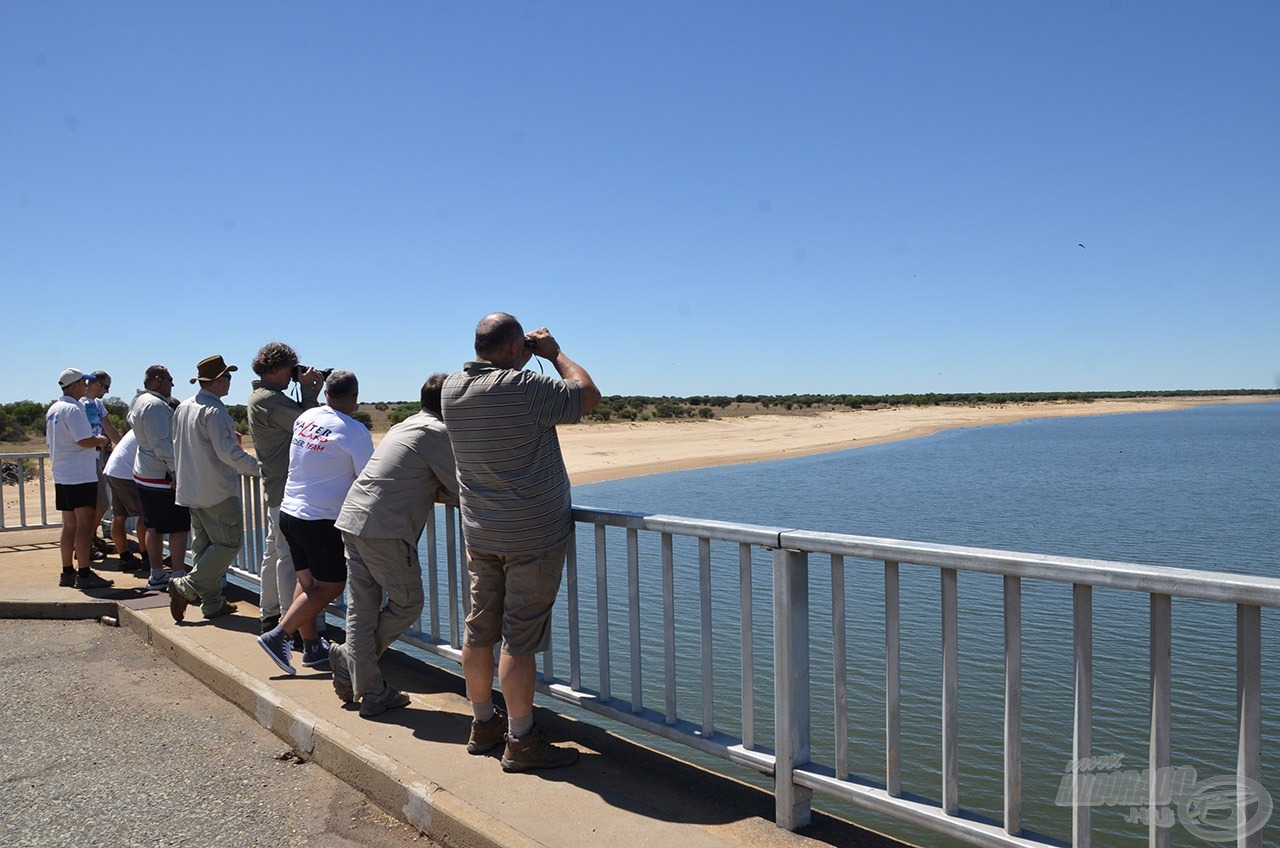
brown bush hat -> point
(211, 369)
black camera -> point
(298, 371)
(530, 343)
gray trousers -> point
(375, 567)
(276, 572)
(217, 534)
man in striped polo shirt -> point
(516, 518)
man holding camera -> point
(271, 416)
(517, 518)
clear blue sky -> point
(695, 197)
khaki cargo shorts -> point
(511, 599)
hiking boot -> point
(341, 674)
(486, 735)
(269, 623)
(89, 579)
(316, 654)
(375, 705)
(534, 752)
(227, 608)
(277, 645)
(178, 602)
(67, 577)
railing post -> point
(1249, 725)
(791, 685)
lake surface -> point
(1192, 488)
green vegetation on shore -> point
(644, 408)
(23, 420)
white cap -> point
(69, 376)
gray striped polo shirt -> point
(511, 475)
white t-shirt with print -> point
(328, 450)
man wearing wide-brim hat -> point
(210, 462)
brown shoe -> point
(227, 609)
(177, 603)
(485, 736)
(534, 752)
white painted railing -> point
(620, 617)
(16, 474)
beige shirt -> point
(411, 469)
(209, 458)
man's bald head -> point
(495, 333)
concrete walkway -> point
(413, 762)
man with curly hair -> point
(271, 416)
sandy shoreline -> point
(609, 451)
(596, 452)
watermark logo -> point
(1208, 809)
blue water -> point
(1193, 489)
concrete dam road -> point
(103, 741)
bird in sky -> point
(1079, 245)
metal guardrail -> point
(16, 474)
(777, 741)
(655, 639)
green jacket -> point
(271, 417)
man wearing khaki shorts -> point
(517, 518)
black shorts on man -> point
(72, 496)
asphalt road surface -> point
(105, 742)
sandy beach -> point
(595, 452)
(611, 451)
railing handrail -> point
(1225, 587)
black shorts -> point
(316, 546)
(72, 496)
(160, 511)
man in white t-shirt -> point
(125, 503)
(73, 452)
(328, 450)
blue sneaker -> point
(316, 654)
(278, 646)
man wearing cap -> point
(154, 472)
(210, 462)
(73, 452)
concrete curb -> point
(399, 790)
(58, 610)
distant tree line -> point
(24, 419)
(644, 408)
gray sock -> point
(482, 712)
(519, 728)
